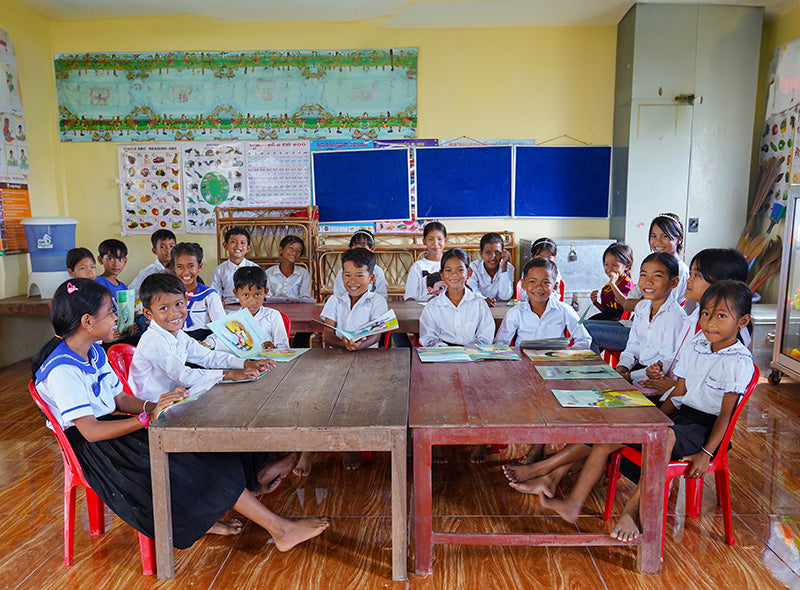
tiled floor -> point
(356, 552)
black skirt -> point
(203, 486)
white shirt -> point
(556, 294)
(204, 306)
(678, 292)
(74, 388)
(370, 306)
(522, 321)
(442, 323)
(296, 286)
(710, 375)
(148, 270)
(272, 327)
(378, 285)
(222, 279)
(500, 286)
(159, 363)
(654, 340)
(416, 284)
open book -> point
(126, 306)
(545, 343)
(600, 398)
(577, 372)
(564, 354)
(242, 335)
(466, 354)
(385, 323)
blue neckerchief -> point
(200, 293)
(64, 355)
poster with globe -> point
(214, 176)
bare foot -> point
(626, 528)
(535, 453)
(566, 509)
(294, 532)
(272, 475)
(231, 526)
(351, 461)
(520, 473)
(540, 486)
(303, 467)
(478, 454)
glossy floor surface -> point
(356, 552)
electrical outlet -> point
(694, 225)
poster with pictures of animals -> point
(214, 176)
(150, 188)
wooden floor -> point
(356, 553)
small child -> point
(617, 262)
(436, 284)
(713, 373)
(80, 264)
(364, 239)
(159, 363)
(205, 304)
(113, 255)
(493, 274)
(163, 242)
(287, 279)
(546, 248)
(237, 244)
(434, 235)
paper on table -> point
(464, 354)
(577, 372)
(545, 343)
(593, 398)
(564, 354)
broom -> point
(766, 178)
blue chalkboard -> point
(464, 182)
(361, 185)
(562, 181)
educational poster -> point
(150, 188)
(413, 226)
(242, 95)
(327, 145)
(345, 228)
(15, 146)
(777, 139)
(15, 205)
(279, 174)
(214, 176)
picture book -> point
(564, 354)
(577, 372)
(195, 393)
(604, 398)
(240, 332)
(491, 352)
(545, 343)
(281, 355)
(466, 354)
(126, 306)
(260, 375)
(385, 323)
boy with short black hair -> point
(363, 238)
(163, 241)
(113, 255)
(237, 244)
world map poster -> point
(231, 96)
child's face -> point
(105, 322)
(661, 241)
(539, 284)
(434, 242)
(720, 324)
(492, 255)
(113, 264)
(168, 310)
(237, 247)
(654, 281)
(438, 287)
(362, 243)
(84, 269)
(696, 285)
(163, 250)
(613, 265)
(291, 253)
(455, 274)
(357, 279)
(187, 268)
(251, 297)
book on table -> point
(563, 354)
(466, 354)
(577, 372)
(241, 334)
(601, 398)
(545, 343)
(385, 323)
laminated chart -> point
(150, 188)
(214, 176)
(279, 174)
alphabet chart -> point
(279, 173)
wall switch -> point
(694, 225)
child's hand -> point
(698, 464)
(167, 400)
(655, 371)
(662, 385)
(624, 372)
(491, 301)
(613, 277)
(267, 345)
(260, 364)
(504, 263)
(240, 374)
(593, 298)
(350, 344)
(134, 329)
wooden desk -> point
(301, 314)
(325, 400)
(408, 313)
(507, 401)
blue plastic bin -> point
(49, 239)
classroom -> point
(526, 71)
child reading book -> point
(237, 244)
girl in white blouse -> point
(287, 279)
(435, 237)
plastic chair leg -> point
(69, 524)
(95, 508)
(694, 496)
(723, 482)
(613, 477)
(147, 548)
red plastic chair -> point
(561, 290)
(120, 356)
(73, 477)
(694, 487)
(287, 323)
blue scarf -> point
(64, 355)
(200, 293)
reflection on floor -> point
(356, 551)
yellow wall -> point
(514, 82)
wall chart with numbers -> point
(278, 174)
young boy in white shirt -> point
(160, 358)
(163, 242)
(204, 303)
(237, 244)
(364, 239)
(492, 274)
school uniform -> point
(556, 294)
(203, 487)
(653, 340)
(296, 286)
(159, 363)
(148, 270)
(416, 281)
(500, 286)
(678, 292)
(378, 285)
(272, 327)
(442, 323)
(369, 307)
(112, 287)
(204, 305)
(222, 278)
(522, 321)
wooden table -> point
(408, 313)
(325, 400)
(301, 314)
(508, 402)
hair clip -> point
(71, 288)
